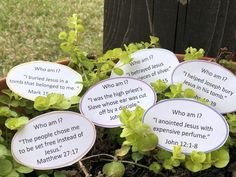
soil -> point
(104, 144)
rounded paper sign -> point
(187, 123)
(103, 102)
(39, 78)
(53, 140)
(150, 65)
(210, 81)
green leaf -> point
(105, 67)
(44, 172)
(138, 112)
(137, 134)
(72, 21)
(54, 98)
(7, 92)
(43, 175)
(5, 167)
(175, 91)
(126, 132)
(114, 169)
(136, 156)
(118, 71)
(125, 58)
(207, 163)
(59, 174)
(1, 139)
(167, 164)
(177, 154)
(199, 157)
(189, 93)
(80, 27)
(159, 86)
(124, 116)
(65, 46)
(23, 169)
(88, 64)
(132, 48)
(74, 99)
(41, 103)
(3, 150)
(163, 154)
(220, 158)
(193, 54)
(194, 167)
(122, 151)
(62, 35)
(13, 173)
(108, 54)
(54, 101)
(6, 112)
(16, 123)
(154, 40)
(148, 142)
(71, 36)
(155, 167)
(65, 104)
(231, 119)
(5, 99)
(116, 52)
(175, 163)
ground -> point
(29, 29)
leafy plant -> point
(195, 161)
(174, 160)
(220, 158)
(138, 135)
(8, 166)
(54, 101)
(226, 58)
(193, 54)
(231, 119)
(165, 91)
(16, 122)
(99, 68)
(11, 99)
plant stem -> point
(130, 162)
(114, 158)
(133, 163)
(123, 161)
(84, 169)
(98, 155)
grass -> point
(29, 29)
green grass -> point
(29, 29)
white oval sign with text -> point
(53, 140)
(210, 81)
(150, 65)
(188, 123)
(39, 78)
(103, 102)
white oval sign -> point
(187, 123)
(103, 102)
(150, 65)
(39, 78)
(210, 81)
(53, 140)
